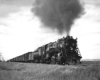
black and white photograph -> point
(49, 39)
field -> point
(88, 70)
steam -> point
(58, 14)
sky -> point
(21, 31)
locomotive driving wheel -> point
(53, 60)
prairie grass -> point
(30, 71)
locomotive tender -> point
(62, 51)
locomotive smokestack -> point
(58, 14)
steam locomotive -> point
(62, 51)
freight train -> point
(62, 51)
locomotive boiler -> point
(62, 51)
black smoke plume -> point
(58, 14)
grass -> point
(28, 71)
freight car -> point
(62, 51)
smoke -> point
(58, 14)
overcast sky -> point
(21, 31)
